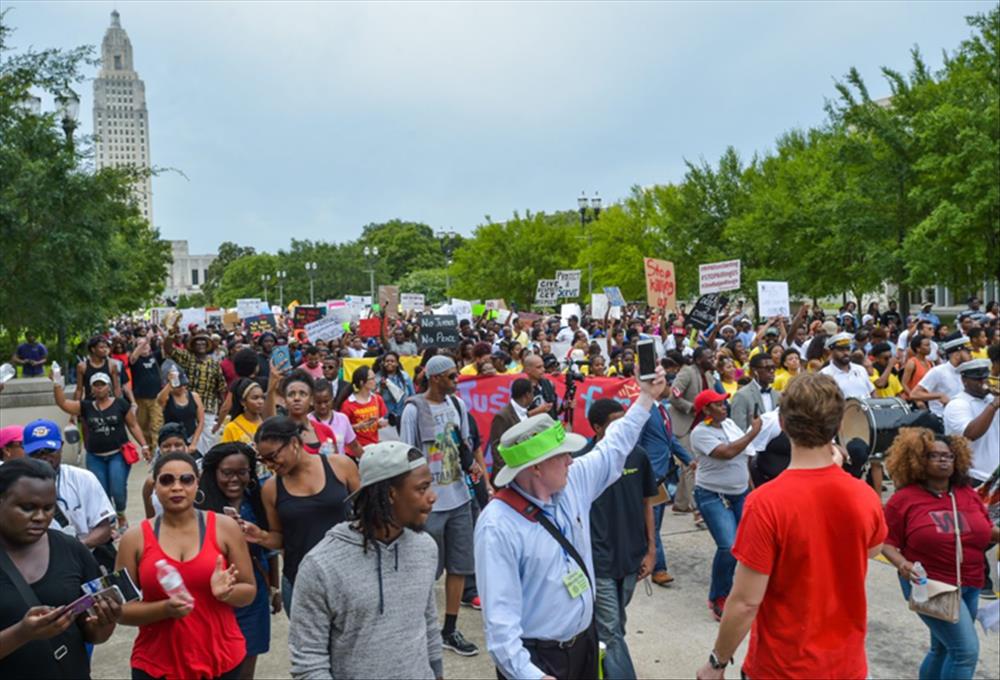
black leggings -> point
(232, 674)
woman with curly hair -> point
(930, 472)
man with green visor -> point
(534, 564)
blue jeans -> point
(661, 557)
(613, 595)
(112, 472)
(954, 650)
(721, 513)
(286, 595)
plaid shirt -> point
(204, 377)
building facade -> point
(121, 120)
(187, 273)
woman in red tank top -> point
(179, 638)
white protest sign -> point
(247, 307)
(772, 297)
(547, 292)
(412, 301)
(330, 327)
(598, 305)
(214, 317)
(462, 309)
(569, 282)
(570, 309)
(193, 316)
(718, 277)
(496, 304)
(358, 304)
(503, 315)
(443, 310)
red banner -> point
(484, 397)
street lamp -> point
(311, 270)
(281, 288)
(585, 218)
(371, 254)
(447, 239)
(263, 279)
(68, 104)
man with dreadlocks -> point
(362, 588)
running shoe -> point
(457, 643)
(474, 603)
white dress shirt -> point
(962, 410)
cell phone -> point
(231, 511)
(85, 602)
(647, 359)
(281, 357)
(119, 581)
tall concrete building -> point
(121, 121)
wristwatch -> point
(714, 662)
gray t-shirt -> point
(717, 474)
(442, 454)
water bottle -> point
(57, 376)
(919, 593)
(326, 449)
(171, 581)
(6, 373)
(175, 377)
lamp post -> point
(371, 255)
(585, 218)
(263, 280)
(68, 104)
(281, 288)
(311, 270)
(447, 239)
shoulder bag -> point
(944, 601)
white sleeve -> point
(929, 382)
(96, 504)
(594, 472)
(957, 415)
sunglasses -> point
(452, 377)
(168, 479)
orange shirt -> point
(357, 413)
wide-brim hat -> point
(531, 442)
(199, 335)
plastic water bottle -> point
(326, 449)
(920, 584)
(57, 376)
(7, 372)
(171, 581)
(175, 377)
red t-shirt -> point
(922, 527)
(810, 531)
(356, 413)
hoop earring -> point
(202, 500)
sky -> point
(309, 120)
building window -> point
(194, 277)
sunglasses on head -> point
(168, 479)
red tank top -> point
(204, 644)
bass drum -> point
(874, 421)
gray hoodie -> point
(353, 612)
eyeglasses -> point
(940, 456)
(167, 479)
(273, 456)
(229, 474)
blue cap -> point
(42, 434)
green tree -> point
(228, 253)
(242, 279)
(430, 282)
(617, 244)
(404, 247)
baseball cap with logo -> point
(41, 434)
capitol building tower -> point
(121, 121)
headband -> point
(246, 390)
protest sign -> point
(412, 302)
(718, 277)
(230, 320)
(615, 297)
(193, 316)
(569, 283)
(158, 314)
(328, 328)
(370, 328)
(706, 310)
(502, 315)
(661, 287)
(335, 304)
(570, 309)
(438, 331)
(547, 292)
(247, 307)
(213, 316)
(478, 310)
(462, 309)
(341, 314)
(598, 305)
(388, 297)
(496, 304)
(358, 304)
(772, 299)
(305, 315)
(260, 323)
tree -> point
(618, 242)
(430, 282)
(403, 247)
(228, 253)
(242, 279)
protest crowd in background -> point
(334, 462)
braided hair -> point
(214, 499)
(372, 510)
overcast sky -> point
(312, 119)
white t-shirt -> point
(904, 344)
(943, 379)
(962, 410)
(82, 500)
(718, 474)
(853, 382)
(770, 427)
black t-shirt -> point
(105, 429)
(146, 376)
(70, 566)
(618, 518)
(544, 392)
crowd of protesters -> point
(281, 481)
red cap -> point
(706, 397)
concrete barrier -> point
(27, 399)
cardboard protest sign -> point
(772, 299)
(661, 286)
(502, 315)
(260, 323)
(358, 304)
(615, 297)
(305, 315)
(462, 309)
(328, 328)
(706, 310)
(412, 302)
(438, 331)
(547, 292)
(230, 320)
(369, 328)
(247, 307)
(598, 305)
(569, 282)
(719, 277)
(388, 297)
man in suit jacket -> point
(521, 394)
(691, 379)
(757, 394)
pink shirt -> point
(341, 426)
(316, 373)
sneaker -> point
(474, 603)
(457, 643)
(988, 594)
(662, 578)
(717, 606)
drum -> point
(874, 421)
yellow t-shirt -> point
(731, 387)
(240, 430)
(893, 389)
(781, 378)
(469, 369)
(980, 353)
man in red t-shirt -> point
(802, 548)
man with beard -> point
(972, 413)
(346, 624)
(204, 377)
(884, 379)
(942, 382)
(851, 378)
(544, 399)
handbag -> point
(944, 601)
(130, 453)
